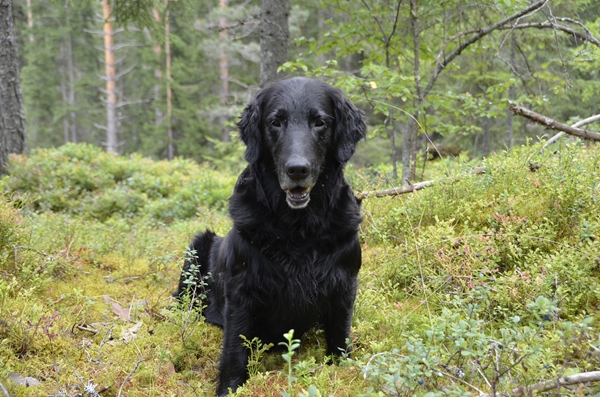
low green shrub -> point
(520, 227)
(82, 179)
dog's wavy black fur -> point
(292, 257)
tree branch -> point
(583, 377)
(442, 63)
(548, 25)
(410, 188)
(576, 125)
(553, 124)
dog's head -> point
(298, 124)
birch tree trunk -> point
(13, 137)
(111, 88)
(274, 38)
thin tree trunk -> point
(408, 143)
(170, 147)
(63, 93)
(486, 136)
(511, 98)
(224, 72)
(71, 88)
(111, 88)
(409, 149)
(274, 38)
(30, 21)
(158, 114)
(13, 137)
(392, 135)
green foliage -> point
(84, 180)
(477, 285)
(291, 345)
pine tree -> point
(13, 138)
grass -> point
(478, 284)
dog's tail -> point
(195, 276)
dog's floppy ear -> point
(350, 127)
(250, 128)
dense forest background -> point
(398, 60)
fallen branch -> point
(546, 385)
(4, 391)
(553, 124)
(576, 125)
(129, 375)
(410, 188)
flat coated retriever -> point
(292, 258)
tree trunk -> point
(511, 97)
(274, 38)
(409, 143)
(71, 86)
(158, 113)
(486, 136)
(170, 145)
(224, 72)
(391, 127)
(111, 87)
(30, 21)
(63, 92)
(13, 137)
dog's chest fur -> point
(297, 251)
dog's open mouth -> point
(298, 197)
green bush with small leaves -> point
(82, 179)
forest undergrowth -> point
(479, 285)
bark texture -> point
(111, 86)
(13, 137)
(274, 38)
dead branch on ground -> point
(581, 378)
(410, 188)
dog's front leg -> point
(337, 324)
(234, 356)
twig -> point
(465, 382)
(409, 188)
(128, 376)
(83, 327)
(546, 385)
(4, 391)
(549, 25)
(553, 124)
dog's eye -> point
(319, 123)
(276, 123)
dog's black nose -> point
(297, 168)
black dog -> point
(292, 258)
